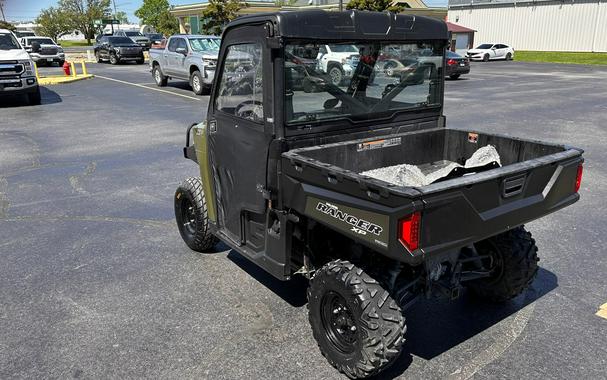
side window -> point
(182, 44)
(322, 50)
(240, 91)
(173, 44)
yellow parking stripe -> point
(602, 311)
(148, 88)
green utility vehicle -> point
(358, 185)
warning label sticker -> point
(378, 144)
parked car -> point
(17, 75)
(117, 49)
(487, 52)
(136, 36)
(155, 38)
(456, 65)
(187, 57)
(43, 50)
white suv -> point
(339, 61)
(16, 69)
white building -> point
(545, 25)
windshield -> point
(451, 54)
(155, 36)
(133, 34)
(205, 44)
(484, 46)
(41, 41)
(8, 42)
(367, 85)
(120, 40)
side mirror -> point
(35, 47)
(493, 48)
(182, 50)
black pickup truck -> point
(289, 179)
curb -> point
(45, 81)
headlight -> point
(210, 63)
(59, 50)
(28, 66)
(117, 49)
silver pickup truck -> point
(186, 57)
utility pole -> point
(341, 5)
(2, 9)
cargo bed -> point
(535, 179)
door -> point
(238, 141)
(500, 51)
(179, 59)
(168, 55)
(104, 47)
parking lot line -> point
(148, 88)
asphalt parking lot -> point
(95, 281)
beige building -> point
(189, 15)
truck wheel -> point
(359, 328)
(454, 76)
(114, 59)
(514, 257)
(140, 61)
(196, 83)
(336, 75)
(159, 77)
(34, 98)
(191, 215)
(97, 57)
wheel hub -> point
(188, 216)
(339, 322)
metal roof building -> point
(545, 25)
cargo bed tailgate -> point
(468, 209)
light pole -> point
(341, 5)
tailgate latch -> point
(513, 186)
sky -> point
(27, 10)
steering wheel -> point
(250, 109)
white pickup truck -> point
(186, 57)
(17, 75)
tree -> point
(218, 13)
(122, 17)
(151, 11)
(7, 25)
(52, 22)
(283, 3)
(167, 24)
(83, 13)
(375, 5)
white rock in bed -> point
(401, 175)
(483, 156)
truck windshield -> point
(8, 42)
(377, 80)
(205, 44)
(133, 34)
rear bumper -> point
(457, 69)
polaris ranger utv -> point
(280, 179)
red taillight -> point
(451, 62)
(578, 178)
(408, 231)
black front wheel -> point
(486, 58)
(359, 327)
(512, 259)
(114, 59)
(192, 217)
(454, 76)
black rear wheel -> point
(191, 216)
(358, 326)
(509, 57)
(454, 76)
(512, 258)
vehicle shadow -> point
(292, 291)
(48, 97)
(436, 326)
(433, 326)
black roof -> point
(319, 24)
